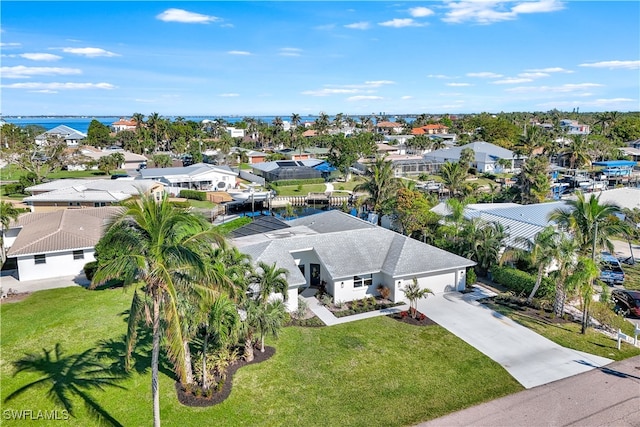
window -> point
(78, 254)
(40, 259)
(99, 204)
(74, 203)
(360, 281)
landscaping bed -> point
(361, 306)
(195, 396)
(405, 317)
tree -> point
(295, 120)
(567, 249)
(414, 292)
(541, 251)
(413, 212)
(577, 153)
(162, 160)
(8, 212)
(160, 249)
(584, 274)
(591, 223)
(380, 185)
(453, 176)
(483, 242)
(268, 319)
(67, 377)
(270, 279)
(98, 134)
(467, 157)
(110, 162)
(533, 180)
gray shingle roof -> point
(348, 246)
(484, 151)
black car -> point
(627, 302)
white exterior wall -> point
(349, 293)
(438, 283)
(292, 300)
(57, 264)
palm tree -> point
(67, 377)
(268, 319)
(295, 120)
(578, 152)
(541, 251)
(590, 222)
(567, 249)
(162, 251)
(322, 123)
(381, 185)
(484, 242)
(533, 180)
(582, 279)
(414, 292)
(8, 212)
(453, 176)
(271, 279)
(153, 121)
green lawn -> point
(13, 173)
(632, 275)
(372, 372)
(568, 335)
(292, 190)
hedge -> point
(519, 281)
(287, 182)
(193, 194)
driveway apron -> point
(530, 358)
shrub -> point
(90, 269)
(326, 299)
(519, 281)
(193, 194)
(471, 277)
(384, 291)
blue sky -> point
(279, 58)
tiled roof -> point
(61, 230)
(309, 133)
(124, 122)
(417, 131)
(388, 125)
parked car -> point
(626, 302)
(610, 269)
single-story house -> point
(292, 169)
(352, 257)
(307, 153)
(625, 197)
(59, 243)
(83, 193)
(69, 135)
(131, 160)
(199, 176)
(486, 156)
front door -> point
(314, 270)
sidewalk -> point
(329, 319)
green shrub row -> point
(193, 194)
(288, 182)
(519, 281)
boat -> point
(251, 195)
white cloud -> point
(458, 84)
(364, 98)
(10, 44)
(569, 87)
(511, 80)
(378, 83)
(626, 65)
(420, 12)
(329, 91)
(440, 76)
(485, 75)
(40, 56)
(238, 52)
(290, 51)
(181, 15)
(533, 75)
(229, 95)
(550, 70)
(59, 86)
(358, 26)
(44, 91)
(401, 23)
(22, 72)
(90, 52)
(406, 97)
(488, 12)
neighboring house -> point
(69, 135)
(252, 155)
(625, 197)
(632, 150)
(432, 129)
(389, 128)
(234, 132)
(305, 154)
(124, 124)
(352, 257)
(82, 193)
(519, 221)
(486, 155)
(309, 133)
(60, 243)
(572, 127)
(293, 169)
(87, 154)
(199, 176)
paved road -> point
(530, 358)
(608, 396)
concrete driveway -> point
(530, 358)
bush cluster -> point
(193, 194)
(288, 182)
(519, 281)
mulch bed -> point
(189, 399)
(418, 321)
(15, 297)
